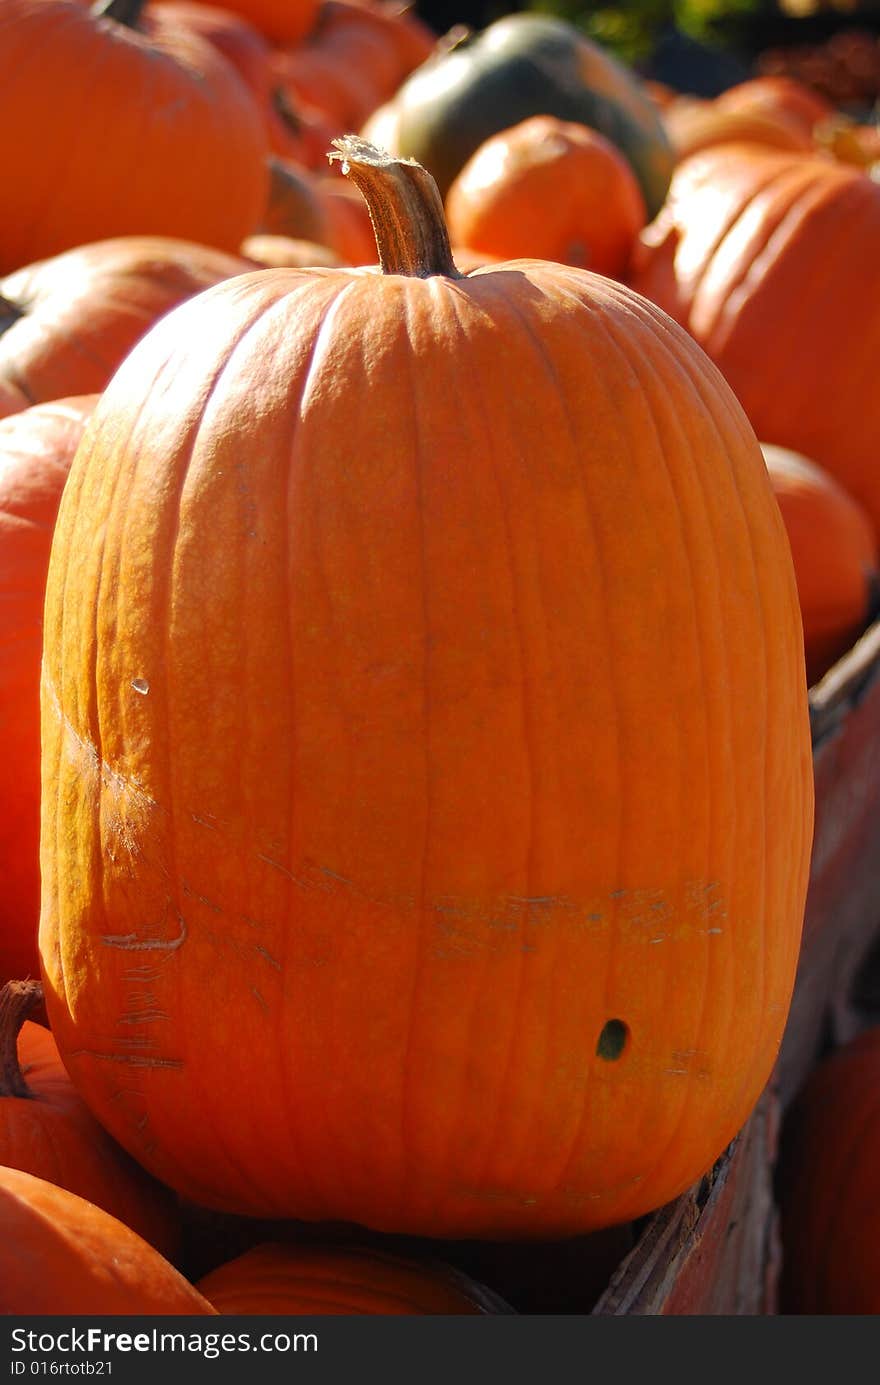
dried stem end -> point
(405, 207)
(18, 999)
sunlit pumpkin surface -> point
(427, 780)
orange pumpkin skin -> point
(769, 260)
(62, 1255)
(551, 190)
(771, 94)
(322, 209)
(828, 1191)
(280, 21)
(292, 134)
(48, 1131)
(834, 551)
(349, 1280)
(507, 935)
(282, 252)
(159, 104)
(355, 58)
(36, 449)
(692, 126)
(70, 320)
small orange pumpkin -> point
(347, 1279)
(548, 189)
(835, 555)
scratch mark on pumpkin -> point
(545, 899)
(84, 750)
(203, 822)
(661, 939)
(133, 1060)
(273, 961)
(282, 870)
(334, 875)
(142, 1017)
(262, 1000)
(202, 899)
(254, 923)
(132, 942)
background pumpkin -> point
(66, 323)
(280, 21)
(159, 103)
(835, 556)
(62, 1255)
(349, 1280)
(36, 449)
(769, 260)
(487, 897)
(522, 65)
(771, 94)
(827, 1182)
(292, 132)
(549, 190)
(695, 125)
(47, 1130)
(281, 252)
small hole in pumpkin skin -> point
(612, 1041)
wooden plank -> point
(842, 918)
(715, 1250)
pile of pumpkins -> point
(412, 569)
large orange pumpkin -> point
(769, 259)
(47, 1130)
(60, 1254)
(828, 1191)
(429, 728)
(349, 1280)
(66, 323)
(36, 449)
(835, 555)
(111, 132)
(548, 189)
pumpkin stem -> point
(17, 1000)
(126, 12)
(405, 208)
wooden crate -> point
(715, 1250)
